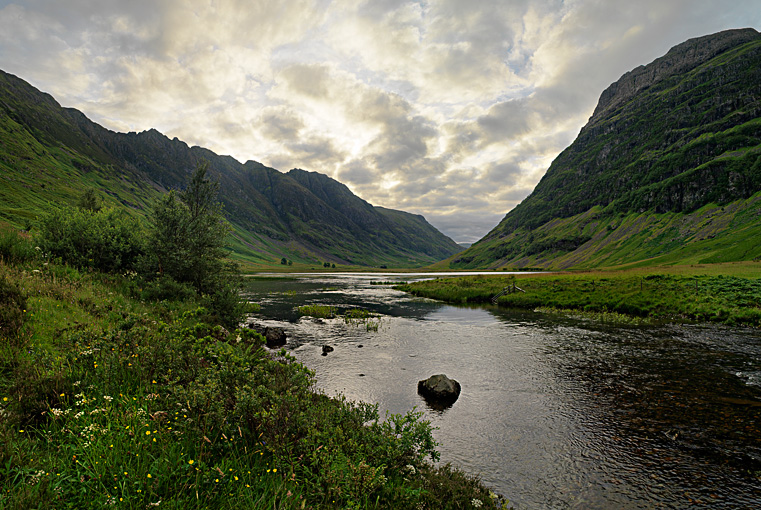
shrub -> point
(107, 240)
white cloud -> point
(446, 108)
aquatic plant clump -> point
(318, 311)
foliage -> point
(113, 402)
(187, 240)
(106, 240)
(188, 232)
(89, 201)
(12, 309)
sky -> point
(453, 109)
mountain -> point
(667, 170)
(50, 154)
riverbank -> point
(728, 294)
(106, 399)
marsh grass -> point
(106, 400)
(724, 298)
(318, 311)
(359, 317)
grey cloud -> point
(280, 124)
(359, 174)
(506, 119)
(464, 226)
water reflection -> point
(554, 412)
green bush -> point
(108, 240)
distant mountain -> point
(49, 154)
(667, 170)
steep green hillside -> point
(666, 140)
(49, 155)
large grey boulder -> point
(439, 390)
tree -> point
(188, 234)
(88, 201)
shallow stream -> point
(555, 412)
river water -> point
(555, 412)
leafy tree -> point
(284, 261)
(188, 233)
(89, 201)
(187, 241)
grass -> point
(730, 294)
(108, 400)
(318, 311)
(359, 317)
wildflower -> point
(5, 399)
(147, 432)
(149, 475)
(191, 461)
(477, 503)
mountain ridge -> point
(669, 137)
(48, 153)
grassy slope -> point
(711, 234)
(49, 155)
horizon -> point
(437, 108)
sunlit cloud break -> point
(449, 109)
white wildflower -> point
(477, 503)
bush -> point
(108, 240)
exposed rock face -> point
(679, 59)
(439, 390)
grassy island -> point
(724, 293)
(111, 397)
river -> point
(555, 412)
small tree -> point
(88, 201)
(188, 234)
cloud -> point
(450, 109)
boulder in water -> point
(439, 391)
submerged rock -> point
(439, 391)
(326, 349)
